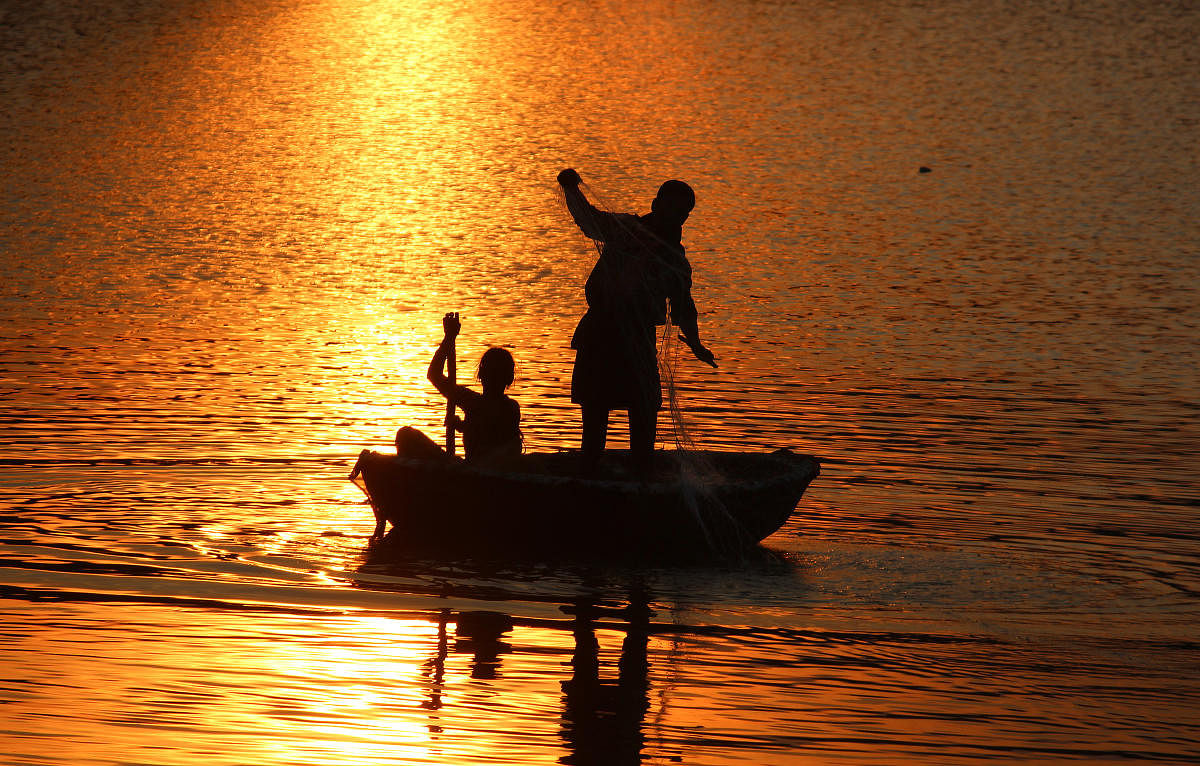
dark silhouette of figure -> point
(642, 268)
(491, 426)
(602, 720)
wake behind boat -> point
(702, 502)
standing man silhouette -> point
(642, 268)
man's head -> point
(674, 201)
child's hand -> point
(569, 177)
(451, 324)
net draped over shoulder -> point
(641, 270)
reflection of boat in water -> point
(538, 503)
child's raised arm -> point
(446, 387)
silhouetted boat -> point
(699, 503)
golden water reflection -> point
(202, 687)
(180, 686)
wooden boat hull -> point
(712, 502)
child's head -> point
(495, 368)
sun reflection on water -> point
(322, 689)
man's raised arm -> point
(593, 222)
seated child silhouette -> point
(491, 423)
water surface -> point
(229, 230)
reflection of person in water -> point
(435, 672)
(479, 633)
(602, 720)
(641, 268)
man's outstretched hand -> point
(569, 177)
(702, 353)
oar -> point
(452, 374)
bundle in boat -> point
(540, 503)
